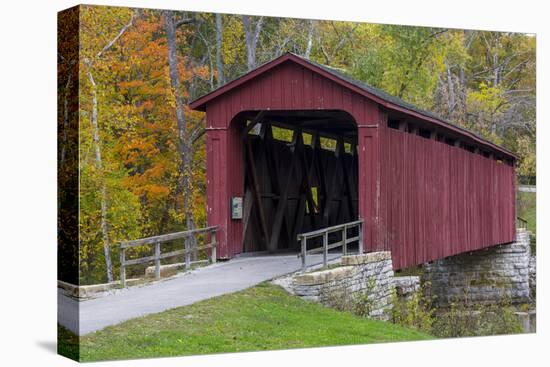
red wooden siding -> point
(289, 86)
(440, 200)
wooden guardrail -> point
(157, 241)
(343, 228)
(522, 223)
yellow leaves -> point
(233, 40)
(99, 25)
(486, 99)
(526, 150)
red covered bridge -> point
(304, 147)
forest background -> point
(141, 150)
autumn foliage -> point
(484, 81)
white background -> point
(28, 181)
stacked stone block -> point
(491, 275)
(407, 286)
(366, 278)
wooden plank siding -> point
(441, 200)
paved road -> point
(185, 289)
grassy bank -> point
(527, 209)
(260, 318)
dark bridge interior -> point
(300, 175)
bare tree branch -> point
(181, 22)
(120, 33)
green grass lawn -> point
(261, 318)
(527, 209)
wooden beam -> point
(299, 218)
(253, 179)
(281, 205)
(331, 189)
(253, 123)
(308, 169)
(322, 188)
(247, 210)
(347, 184)
(266, 136)
(270, 152)
(312, 131)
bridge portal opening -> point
(300, 174)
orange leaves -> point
(202, 71)
(137, 149)
(150, 191)
(147, 105)
(151, 184)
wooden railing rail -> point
(324, 232)
(157, 241)
(522, 223)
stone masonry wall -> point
(366, 278)
(406, 286)
(486, 276)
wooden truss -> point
(293, 187)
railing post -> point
(157, 260)
(213, 249)
(187, 254)
(360, 243)
(122, 267)
(344, 241)
(304, 250)
(325, 248)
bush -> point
(480, 320)
(460, 319)
(362, 302)
(416, 311)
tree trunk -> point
(463, 94)
(496, 66)
(219, 58)
(252, 37)
(309, 39)
(469, 37)
(451, 92)
(185, 149)
(102, 188)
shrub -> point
(463, 319)
(416, 311)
